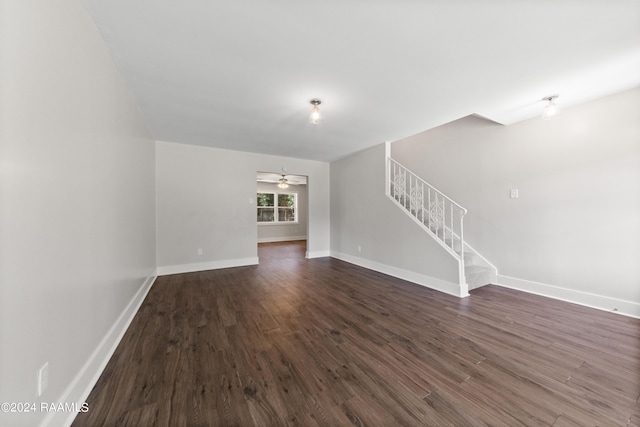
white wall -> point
(280, 232)
(574, 231)
(77, 240)
(390, 242)
(206, 199)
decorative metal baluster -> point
(392, 174)
(395, 186)
(451, 229)
(411, 195)
(441, 217)
(422, 202)
(411, 189)
(435, 216)
(392, 179)
(429, 208)
(395, 181)
(404, 189)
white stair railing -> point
(436, 213)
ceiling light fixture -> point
(283, 182)
(315, 111)
(551, 109)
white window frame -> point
(276, 207)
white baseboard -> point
(82, 384)
(317, 254)
(280, 239)
(600, 302)
(202, 266)
(410, 276)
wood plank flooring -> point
(325, 343)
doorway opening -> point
(282, 208)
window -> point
(277, 207)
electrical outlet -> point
(199, 251)
(43, 378)
(513, 193)
(359, 248)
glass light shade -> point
(550, 110)
(315, 115)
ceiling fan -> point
(279, 178)
(282, 183)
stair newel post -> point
(463, 279)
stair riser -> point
(477, 277)
(471, 260)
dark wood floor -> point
(322, 342)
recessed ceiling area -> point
(240, 75)
(274, 178)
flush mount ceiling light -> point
(283, 182)
(551, 109)
(315, 111)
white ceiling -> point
(240, 74)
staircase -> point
(442, 219)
